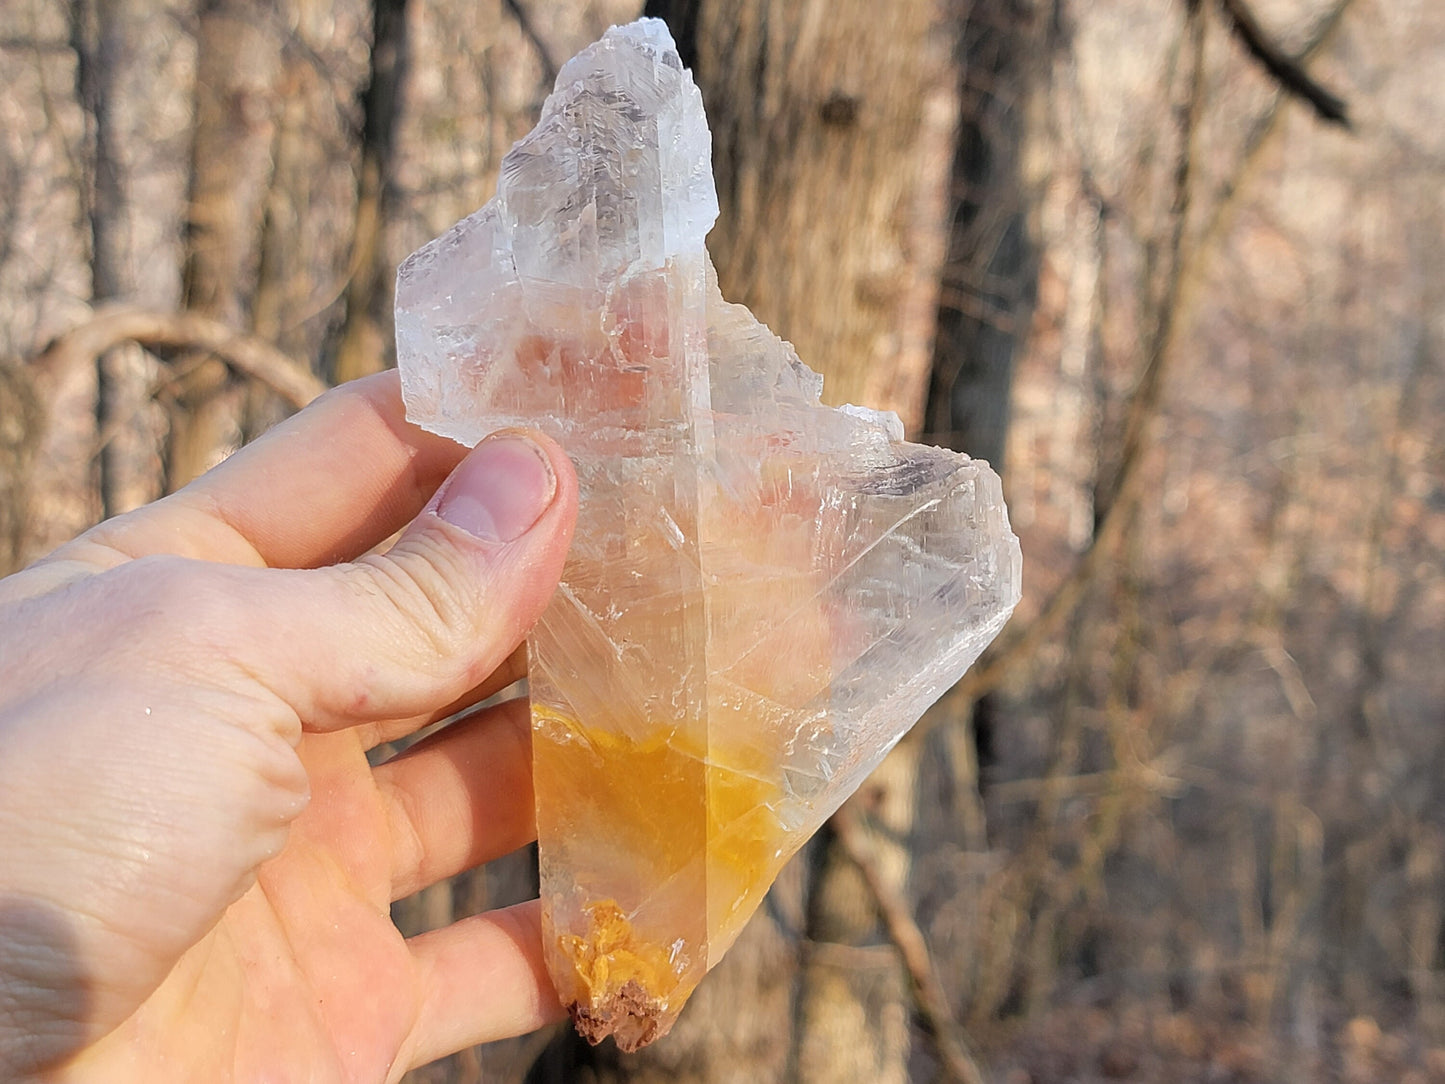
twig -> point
(1285, 69)
(1266, 124)
(930, 997)
(112, 325)
(550, 67)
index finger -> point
(326, 485)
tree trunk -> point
(367, 331)
(47, 438)
(823, 114)
(988, 286)
(238, 66)
(991, 266)
(134, 73)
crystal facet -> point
(763, 593)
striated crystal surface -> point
(763, 593)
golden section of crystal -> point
(610, 955)
(747, 841)
(634, 798)
(637, 797)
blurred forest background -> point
(1177, 267)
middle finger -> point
(460, 797)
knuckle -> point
(409, 852)
(175, 598)
(433, 593)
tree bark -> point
(819, 113)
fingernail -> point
(500, 490)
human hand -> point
(196, 859)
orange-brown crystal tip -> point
(631, 1017)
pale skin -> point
(196, 858)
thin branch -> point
(1266, 124)
(990, 672)
(35, 44)
(1285, 69)
(550, 67)
(112, 325)
(930, 997)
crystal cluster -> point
(763, 593)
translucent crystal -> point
(763, 593)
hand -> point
(196, 860)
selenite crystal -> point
(763, 593)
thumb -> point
(407, 631)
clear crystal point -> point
(763, 593)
